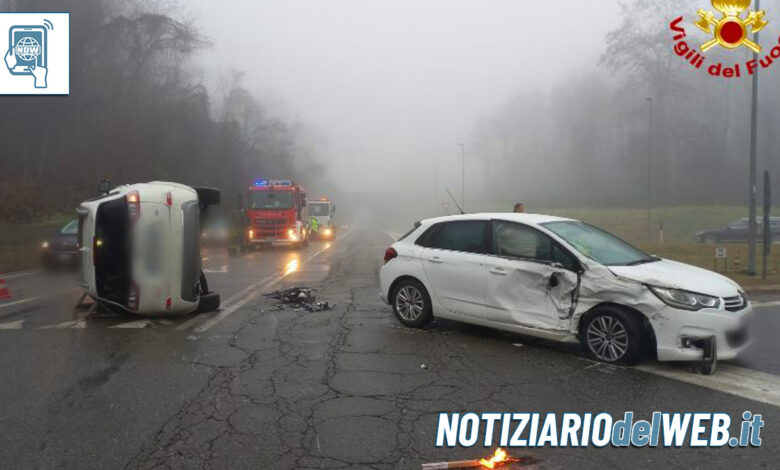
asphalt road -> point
(259, 386)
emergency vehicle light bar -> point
(262, 183)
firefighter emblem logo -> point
(731, 31)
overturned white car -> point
(140, 248)
(564, 280)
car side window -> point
(738, 224)
(71, 228)
(426, 239)
(513, 240)
(467, 236)
(565, 258)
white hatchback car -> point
(140, 248)
(564, 280)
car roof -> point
(526, 218)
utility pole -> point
(649, 157)
(751, 267)
(462, 176)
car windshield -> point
(71, 228)
(319, 209)
(270, 200)
(598, 245)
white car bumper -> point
(677, 331)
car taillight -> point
(168, 304)
(133, 294)
(133, 205)
(169, 199)
(390, 254)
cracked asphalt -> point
(348, 388)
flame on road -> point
(499, 457)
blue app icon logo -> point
(27, 52)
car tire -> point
(209, 302)
(711, 239)
(625, 340)
(411, 303)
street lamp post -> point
(462, 176)
(751, 265)
(649, 157)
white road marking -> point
(218, 270)
(81, 321)
(134, 324)
(30, 299)
(12, 325)
(59, 326)
(228, 311)
(733, 380)
(775, 303)
(225, 304)
(189, 323)
(18, 274)
(259, 290)
(19, 302)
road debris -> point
(302, 299)
(498, 459)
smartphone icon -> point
(29, 46)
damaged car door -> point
(531, 280)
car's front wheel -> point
(615, 336)
(412, 304)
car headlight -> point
(683, 299)
(45, 245)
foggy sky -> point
(394, 85)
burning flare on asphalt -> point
(499, 457)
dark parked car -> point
(62, 250)
(737, 231)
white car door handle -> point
(436, 260)
(498, 271)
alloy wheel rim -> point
(409, 303)
(607, 338)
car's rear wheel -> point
(615, 336)
(412, 304)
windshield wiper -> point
(649, 259)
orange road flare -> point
(499, 459)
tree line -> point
(138, 110)
(643, 122)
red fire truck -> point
(276, 214)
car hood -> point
(672, 274)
